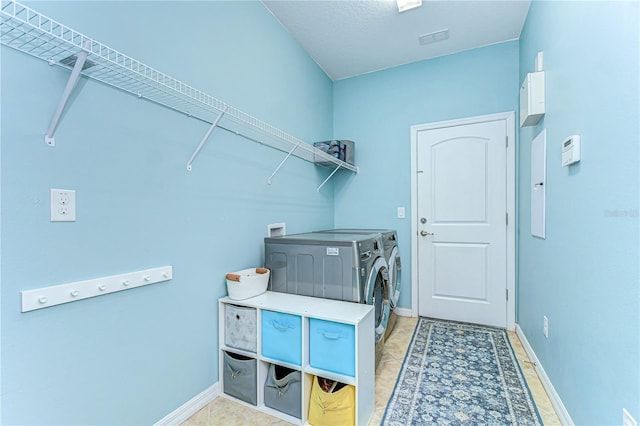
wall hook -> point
(71, 292)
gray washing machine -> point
(341, 266)
(392, 256)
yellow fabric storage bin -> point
(331, 409)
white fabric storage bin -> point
(240, 328)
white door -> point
(462, 229)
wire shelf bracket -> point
(328, 177)
(282, 163)
(206, 136)
(73, 80)
(30, 32)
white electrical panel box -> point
(532, 104)
(571, 150)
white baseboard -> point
(189, 408)
(403, 312)
(561, 411)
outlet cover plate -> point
(63, 205)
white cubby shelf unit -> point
(33, 33)
(310, 311)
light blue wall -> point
(131, 357)
(377, 110)
(134, 356)
(584, 277)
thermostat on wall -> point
(571, 150)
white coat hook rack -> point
(206, 136)
(328, 177)
(282, 163)
(71, 292)
(80, 61)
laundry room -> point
(162, 146)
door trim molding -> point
(509, 118)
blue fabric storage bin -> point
(332, 346)
(282, 337)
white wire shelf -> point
(28, 31)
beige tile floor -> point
(225, 412)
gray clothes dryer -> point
(392, 256)
(348, 267)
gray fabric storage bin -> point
(239, 377)
(282, 390)
(240, 327)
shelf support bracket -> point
(206, 136)
(282, 163)
(49, 138)
(328, 177)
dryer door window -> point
(377, 294)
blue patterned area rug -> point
(456, 373)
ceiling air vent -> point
(433, 37)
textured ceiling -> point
(349, 38)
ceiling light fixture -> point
(404, 5)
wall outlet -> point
(627, 419)
(545, 326)
(63, 205)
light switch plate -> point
(400, 212)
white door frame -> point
(509, 117)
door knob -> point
(425, 233)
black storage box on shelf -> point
(240, 377)
(282, 390)
(343, 150)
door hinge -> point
(506, 141)
(507, 290)
(507, 218)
